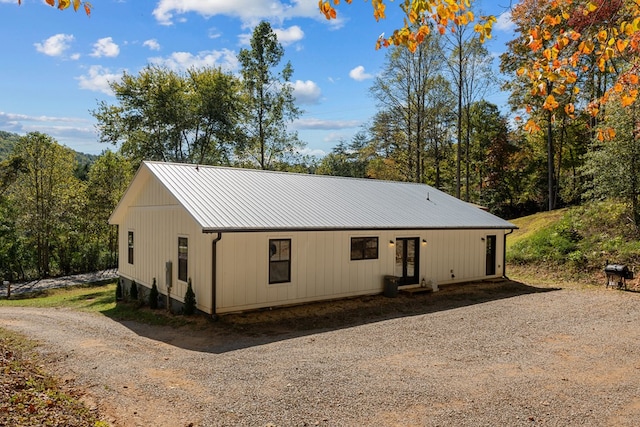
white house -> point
(250, 239)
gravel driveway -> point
(491, 354)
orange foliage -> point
(563, 35)
(445, 15)
(65, 4)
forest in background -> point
(560, 145)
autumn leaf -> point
(64, 4)
(606, 134)
(569, 109)
(436, 13)
(550, 103)
(627, 99)
(531, 126)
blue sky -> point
(56, 65)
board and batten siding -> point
(157, 221)
(321, 265)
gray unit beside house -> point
(250, 239)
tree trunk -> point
(550, 163)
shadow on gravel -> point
(243, 330)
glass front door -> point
(491, 255)
(407, 256)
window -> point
(130, 244)
(279, 260)
(364, 248)
(183, 253)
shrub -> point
(119, 291)
(153, 295)
(133, 292)
(189, 300)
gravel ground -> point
(487, 354)
(58, 282)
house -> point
(250, 239)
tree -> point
(108, 179)
(491, 158)
(167, 116)
(133, 291)
(64, 4)
(402, 89)
(189, 300)
(613, 165)
(528, 14)
(574, 37)
(46, 195)
(269, 101)
(153, 295)
(13, 253)
(347, 159)
(469, 66)
(421, 16)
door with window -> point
(407, 256)
(491, 255)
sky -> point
(57, 65)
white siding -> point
(157, 221)
(321, 267)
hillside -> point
(8, 141)
(577, 240)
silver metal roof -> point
(228, 199)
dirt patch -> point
(479, 354)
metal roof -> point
(230, 199)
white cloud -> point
(75, 132)
(319, 124)
(306, 92)
(151, 44)
(287, 36)
(213, 33)
(504, 22)
(97, 79)
(359, 74)
(179, 61)
(335, 137)
(105, 47)
(248, 11)
(313, 152)
(55, 45)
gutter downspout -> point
(214, 281)
(504, 255)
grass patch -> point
(529, 225)
(578, 240)
(96, 298)
(82, 297)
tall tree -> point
(45, 194)
(491, 157)
(109, 177)
(613, 165)
(403, 91)
(164, 115)
(269, 100)
(469, 69)
(526, 15)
